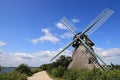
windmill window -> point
(89, 61)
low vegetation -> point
(20, 73)
(58, 71)
(15, 75)
(24, 69)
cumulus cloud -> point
(43, 57)
(47, 37)
(60, 25)
(113, 52)
(109, 55)
(67, 35)
(74, 20)
(68, 25)
(2, 43)
(32, 59)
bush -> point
(59, 69)
(60, 65)
(72, 74)
(113, 75)
(13, 76)
(36, 70)
(43, 67)
(93, 74)
(58, 72)
(23, 68)
(63, 61)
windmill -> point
(83, 55)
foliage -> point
(85, 74)
(72, 74)
(35, 70)
(13, 76)
(64, 61)
(59, 71)
(115, 66)
(44, 67)
(20, 73)
(57, 68)
(23, 68)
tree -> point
(23, 68)
(57, 68)
(58, 72)
(64, 61)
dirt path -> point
(40, 76)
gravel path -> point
(40, 76)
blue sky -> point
(30, 28)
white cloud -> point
(2, 43)
(74, 20)
(66, 35)
(113, 52)
(60, 25)
(43, 57)
(109, 55)
(47, 37)
(32, 59)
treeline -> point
(58, 71)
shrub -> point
(23, 68)
(36, 70)
(113, 75)
(43, 67)
(54, 72)
(58, 72)
(94, 74)
(13, 76)
(63, 61)
(60, 64)
(72, 74)
(59, 69)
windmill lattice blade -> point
(64, 49)
(93, 60)
(106, 67)
(68, 25)
(101, 18)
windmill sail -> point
(99, 20)
(95, 24)
(106, 67)
(64, 49)
(68, 25)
